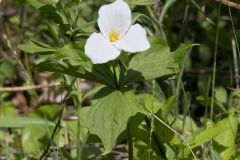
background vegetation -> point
(39, 120)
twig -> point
(26, 88)
(229, 3)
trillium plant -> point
(122, 56)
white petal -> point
(115, 16)
(99, 50)
(135, 40)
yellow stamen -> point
(114, 36)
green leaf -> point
(54, 30)
(36, 137)
(227, 137)
(35, 3)
(36, 47)
(141, 2)
(221, 94)
(187, 124)
(51, 13)
(156, 62)
(72, 60)
(91, 92)
(49, 112)
(108, 116)
(15, 122)
(133, 3)
(165, 134)
(74, 53)
(214, 154)
(71, 4)
(151, 103)
(2, 136)
(142, 133)
(8, 68)
(166, 108)
(48, 2)
(207, 135)
(8, 110)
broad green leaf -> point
(156, 62)
(15, 122)
(35, 48)
(227, 137)
(108, 116)
(207, 135)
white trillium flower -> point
(117, 34)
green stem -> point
(78, 131)
(215, 61)
(155, 138)
(130, 144)
(116, 72)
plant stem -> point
(130, 144)
(215, 61)
(156, 140)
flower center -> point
(114, 36)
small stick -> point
(26, 88)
